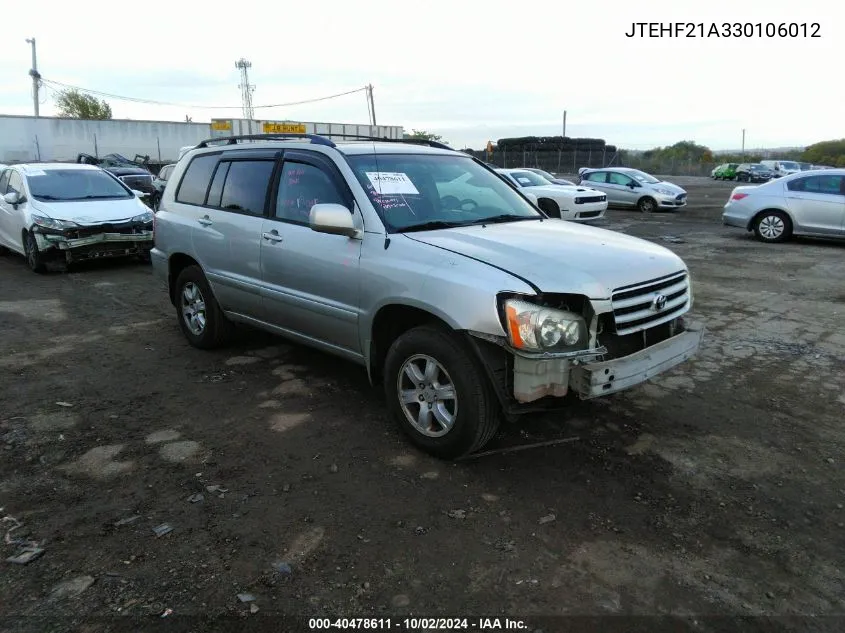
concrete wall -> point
(26, 138)
(49, 138)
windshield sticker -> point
(524, 181)
(389, 182)
(37, 172)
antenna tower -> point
(246, 88)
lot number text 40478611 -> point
(418, 624)
(768, 30)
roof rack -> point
(317, 139)
(232, 140)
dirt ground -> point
(715, 490)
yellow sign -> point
(284, 128)
(221, 125)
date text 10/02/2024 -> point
(768, 30)
(418, 624)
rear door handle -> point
(273, 236)
(205, 221)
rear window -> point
(245, 189)
(195, 181)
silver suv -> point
(421, 264)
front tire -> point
(549, 207)
(646, 205)
(438, 393)
(200, 317)
(34, 257)
(772, 226)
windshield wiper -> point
(99, 197)
(430, 226)
(46, 197)
(506, 217)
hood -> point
(127, 171)
(91, 212)
(551, 190)
(560, 256)
(669, 186)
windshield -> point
(529, 179)
(418, 191)
(544, 174)
(759, 167)
(786, 164)
(641, 176)
(75, 184)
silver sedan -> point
(810, 203)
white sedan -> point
(60, 212)
(808, 203)
(575, 203)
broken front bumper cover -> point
(591, 380)
(46, 240)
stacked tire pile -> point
(552, 153)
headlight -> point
(665, 192)
(50, 223)
(144, 218)
(533, 327)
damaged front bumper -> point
(536, 377)
(97, 245)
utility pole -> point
(743, 142)
(564, 123)
(246, 88)
(371, 104)
(36, 76)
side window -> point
(618, 179)
(195, 181)
(15, 183)
(164, 174)
(216, 189)
(245, 188)
(4, 181)
(301, 187)
(823, 184)
(798, 184)
(599, 176)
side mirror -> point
(139, 194)
(334, 219)
(532, 197)
(12, 198)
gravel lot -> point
(716, 489)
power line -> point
(198, 107)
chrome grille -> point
(637, 308)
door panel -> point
(622, 193)
(228, 233)
(818, 203)
(310, 279)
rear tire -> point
(438, 393)
(200, 317)
(549, 207)
(772, 226)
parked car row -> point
(775, 169)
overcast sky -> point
(470, 71)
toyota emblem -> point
(658, 303)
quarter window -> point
(4, 181)
(195, 181)
(15, 184)
(301, 187)
(599, 176)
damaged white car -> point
(63, 213)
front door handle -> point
(205, 221)
(273, 236)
